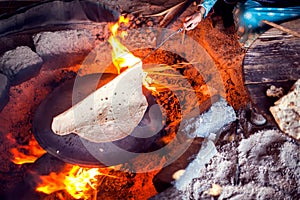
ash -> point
(264, 166)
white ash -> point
(259, 161)
(19, 59)
(63, 42)
(256, 145)
(219, 114)
(249, 191)
(269, 167)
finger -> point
(187, 18)
(187, 25)
(190, 27)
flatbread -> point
(108, 114)
(286, 112)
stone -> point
(20, 64)
(63, 42)
(4, 86)
(218, 115)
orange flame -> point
(77, 181)
(114, 27)
(26, 153)
(121, 56)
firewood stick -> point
(289, 31)
(95, 194)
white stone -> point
(63, 42)
(206, 153)
(219, 114)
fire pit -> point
(44, 88)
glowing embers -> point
(25, 153)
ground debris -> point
(264, 166)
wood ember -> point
(63, 42)
(140, 21)
(4, 85)
(20, 64)
(274, 91)
(286, 112)
(108, 114)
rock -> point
(165, 177)
(203, 157)
(216, 117)
(4, 86)
(20, 64)
(63, 42)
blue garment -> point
(249, 14)
(208, 4)
(248, 18)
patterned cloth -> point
(249, 14)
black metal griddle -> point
(74, 149)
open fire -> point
(76, 182)
(79, 182)
(180, 76)
(121, 56)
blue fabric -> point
(249, 14)
(248, 17)
(208, 4)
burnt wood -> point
(273, 59)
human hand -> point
(192, 21)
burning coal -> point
(25, 153)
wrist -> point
(201, 9)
